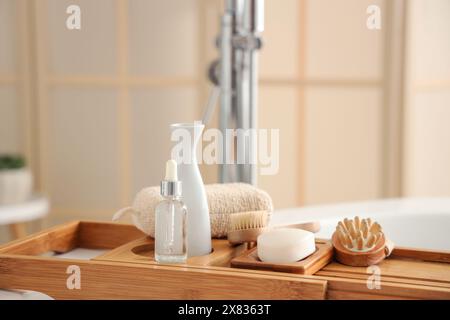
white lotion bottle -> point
(194, 194)
(170, 220)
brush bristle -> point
(248, 220)
(358, 235)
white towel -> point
(223, 200)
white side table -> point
(15, 215)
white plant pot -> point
(15, 185)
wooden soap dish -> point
(310, 265)
(345, 256)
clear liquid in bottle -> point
(170, 220)
(170, 231)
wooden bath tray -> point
(126, 270)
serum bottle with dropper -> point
(170, 220)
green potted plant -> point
(15, 179)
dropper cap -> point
(170, 186)
(171, 171)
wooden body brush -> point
(360, 242)
(245, 227)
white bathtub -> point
(418, 223)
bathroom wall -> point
(90, 108)
(322, 75)
(427, 107)
(11, 86)
(10, 111)
(106, 96)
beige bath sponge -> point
(223, 200)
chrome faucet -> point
(236, 74)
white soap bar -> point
(285, 245)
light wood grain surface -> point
(127, 271)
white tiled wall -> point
(9, 107)
(86, 137)
(426, 162)
(333, 153)
(429, 40)
(343, 146)
(279, 109)
(174, 40)
(90, 50)
(8, 37)
(10, 130)
(82, 151)
(281, 51)
(164, 37)
(427, 169)
(338, 43)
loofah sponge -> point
(223, 200)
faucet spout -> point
(239, 42)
